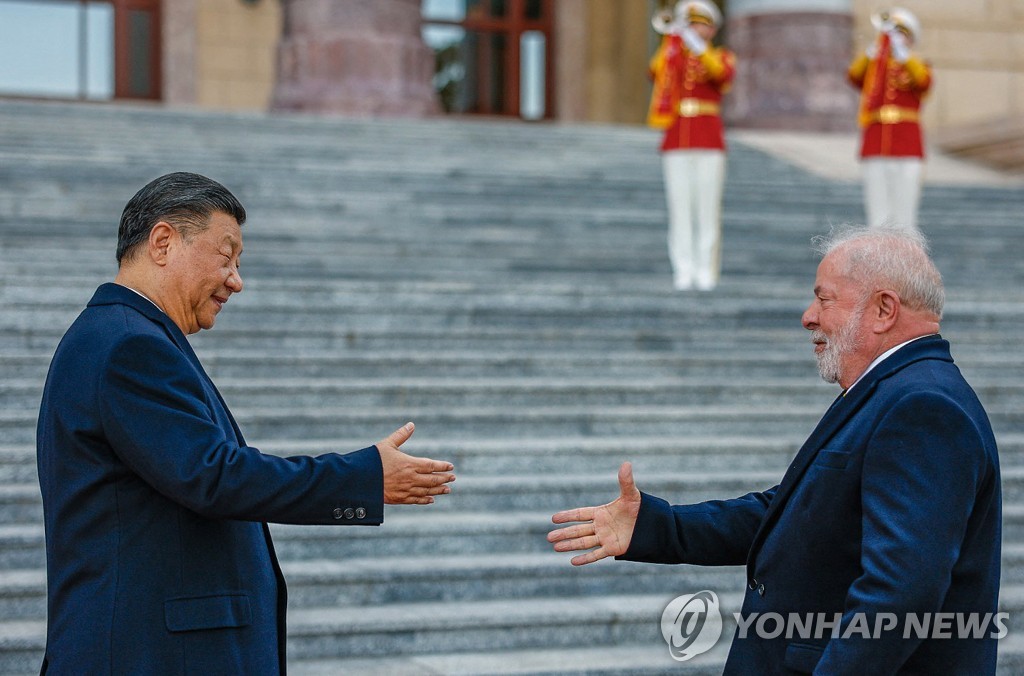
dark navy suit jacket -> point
(159, 560)
(891, 506)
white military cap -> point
(698, 11)
(905, 19)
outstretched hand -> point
(606, 530)
(409, 480)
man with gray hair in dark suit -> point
(888, 517)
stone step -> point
(645, 658)
(502, 625)
(298, 302)
(266, 425)
(417, 578)
(592, 232)
(499, 246)
(21, 503)
(648, 657)
(506, 287)
(551, 456)
(387, 631)
(579, 389)
(75, 288)
(389, 318)
(423, 577)
(417, 532)
(408, 529)
(24, 395)
(968, 341)
(325, 392)
(226, 362)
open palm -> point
(605, 530)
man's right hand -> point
(409, 480)
(609, 527)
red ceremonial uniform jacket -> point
(686, 101)
(891, 95)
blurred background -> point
(564, 60)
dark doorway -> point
(492, 57)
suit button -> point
(350, 513)
(337, 513)
(360, 513)
(752, 585)
(760, 589)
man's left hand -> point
(409, 480)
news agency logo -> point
(691, 624)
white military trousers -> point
(892, 190)
(694, 178)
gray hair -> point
(891, 258)
(183, 199)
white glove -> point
(872, 50)
(694, 42)
(900, 48)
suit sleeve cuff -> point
(361, 502)
(646, 543)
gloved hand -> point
(900, 48)
(694, 43)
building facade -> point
(568, 60)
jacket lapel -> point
(115, 294)
(929, 347)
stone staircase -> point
(998, 143)
(506, 286)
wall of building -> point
(221, 54)
(976, 48)
(617, 54)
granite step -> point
(507, 287)
(553, 455)
(21, 503)
(262, 426)
(453, 393)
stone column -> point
(792, 58)
(178, 23)
(355, 57)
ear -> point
(162, 236)
(887, 307)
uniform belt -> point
(890, 114)
(697, 107)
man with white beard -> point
(890, 512)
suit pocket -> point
(832, 459)
(802, 657)
(208, 612)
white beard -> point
(844, 342)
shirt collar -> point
(145, 296)
(882, 357)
